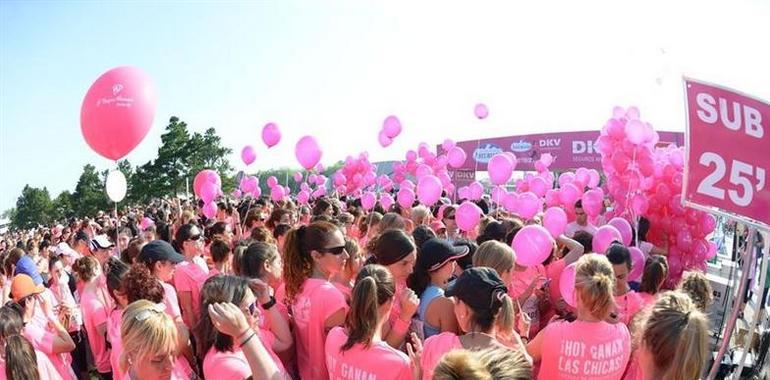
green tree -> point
(63, 206)
(89, 196)
(32, 208)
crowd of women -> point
(333, 292)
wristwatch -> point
(267, 305)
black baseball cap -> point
(159, 250)
(436, 252)
(478, 287)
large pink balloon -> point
(637, 264)
(456, 157)
(476, 190)
(117, 111)
(604, 237)
(555, 221)
(368, 200)
(248, 155)
(429, 190)
(272, 181)
(539, 186)
(622, 225)
(384, 140)
(209, 191)
(203, 176)
(468, 216)
(533, 245)
(303, 196)
(210, 210)
(277, 193)
(500, 169)
(405, 197)
(298, 177)
(391, 127)
(249, 184)
(481, 111)
(308, 152)
(271, 135)
(567, 285)
(386, 201)
(529, 205)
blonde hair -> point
(496, 255)
(491, 363)
(697, 286)
(676, 334)
(146, 331)
(419, 214)
(594, 282)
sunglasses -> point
(333, 250)
(194, 237)
(253, 308)
(450, 217)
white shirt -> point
(575, 227)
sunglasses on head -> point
(194, 237)
(333, 250)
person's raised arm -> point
(575, 249)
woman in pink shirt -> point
(95, 304)
(482, 306)
(395, 250)
(115, 272)
(314, 254)
(188, 276)
(590, 347)
(627, 301)
(150, 340)
(344, 280)
(19, 360)
(654, 276)
(358, 349)
(222, 358)
(674, 339)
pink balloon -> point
(708, 223)
(422, 171)
(203, 176)
(555, 221)
(386, 201)
(684, 240)
(604, 237)
(566, 178)
(272, 181)
(567, 285)
(384, 140)
(529, 205)
(593, 178)
(712, 251)
(248, 155)
(407, 184)
(249, 184)
(500, 169)
(498, 193)
(117, 111)
(456, 157)
(209, 210)
(429, 190)
(511, 202)
(391, 127)
(481, 111)
(637, 264)
(236, 194)
(539, 186)
(411, 155)
(552, 197)
(277, 193)
(271, 135)
(533, 245)
(319, 192)
(635, 132)
(569, 194)
(624, 228)
(405, 197)
(308, 152)
(368, 200)
(320, 180)
(476, 190)
(464, 192)
(639, 204)
(448, 145)
(257, 192)
(303, 196)
(297, 177)
(468, 216)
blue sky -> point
(337, 69)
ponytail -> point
(506, 317)
(298, 264)
(655, 273)
(374, 287)
(594, 282)
(20, 359)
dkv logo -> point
(485, 152)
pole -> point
(762, 279)
(736, 306)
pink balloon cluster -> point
(208, 186)
(647, 181)
(391, 128)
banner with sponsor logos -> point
(570, 150)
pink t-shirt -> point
(42, 340)
(95, 313)
(647, 299)
(45, 368)
(378, 361)
(190, 277)
(434, 348)
(318, 300)
(227, 365)
(628, 305)
(584, 350)
(521, 280)
(113, 335)
(171, 301)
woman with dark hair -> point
(344, 280)
(18, 359)
(395, 250)
(359, 346)
(278, 216)
(628, 302)
(313, 255)
(421, 234)
(654, 275)
(190, 275)
(114, 272)
(279, 234)
(222, 358)
(95, 305)
(323, 207)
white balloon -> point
(116, 185)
